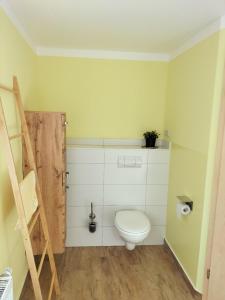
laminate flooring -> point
(113, 273)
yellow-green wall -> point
(16, 58)
(104, 98)
(194, 88)
(213, 135)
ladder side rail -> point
(32, 164)
(19, 204)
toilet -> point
(133, 226)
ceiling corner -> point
(20, 28)
(201, 35)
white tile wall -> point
(96, 177)
(85, 155)
(85, 173)
(111, 155)
(77, 216)
(157, 215)
(111, 237)
(83, 195)
(157, 174)
(124, 194)
(115, 175)
(156, 236)
(156, 194)
(158, 156)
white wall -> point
(95, 176)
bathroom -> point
(126, 221)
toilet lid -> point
(132, 221)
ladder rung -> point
(42, 258)
(51, 286)
(15, 136)
(3, 87)
(34, 220)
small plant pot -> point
(150, 142)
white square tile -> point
(78, 216)
(110, 211)
(158, 174)
(81, 237)
(157, 214)
(85, 173)
(124, 194)
(156, 236)
(115, 175)
(156, 194)
(84, 194)
(111, 237)
(158, 156)
(85, 155)
(112, 155)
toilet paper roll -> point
(183, 209)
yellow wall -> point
(193, 95)
(104, 98)
(213, 135)
(15, 58)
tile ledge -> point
(115, 143)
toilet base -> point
(130, 246)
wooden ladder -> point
(26, 229)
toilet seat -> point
(133, 222)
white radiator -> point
(6, 285)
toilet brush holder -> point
(92, 227)
(92, 223)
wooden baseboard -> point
(189, 283)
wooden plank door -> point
(47, 132)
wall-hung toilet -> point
(133, 226)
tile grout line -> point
(146, 181)
(103, 190)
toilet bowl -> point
(133, 226)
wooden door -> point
(47, 132)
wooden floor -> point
(113, 273)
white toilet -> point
(133, 226)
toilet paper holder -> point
(186, 200)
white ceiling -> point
(149, 26)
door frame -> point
(217, 191)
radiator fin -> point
(6, 285)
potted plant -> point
(150, 138)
